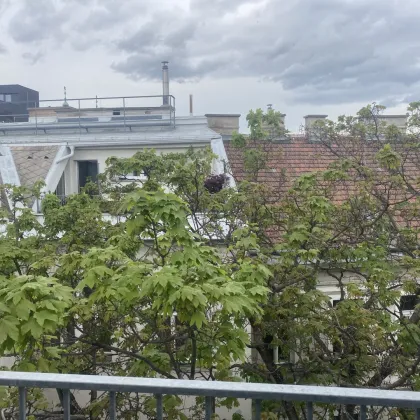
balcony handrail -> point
(60, 100)
(35, 119)
(319, 394)
(210, 389)
(257, 391)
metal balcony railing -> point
(82, 115)
(159, 387)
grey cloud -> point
(167, 35)
(328, 51)
(4, 4)
(33, 58)
(62, 21)
(3, 49)
(145, 38)
(181, 70)
(106, 15)
(36, 21)
(216, 7)
(318, 51)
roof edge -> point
(222, 115)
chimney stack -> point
(310, 120)
(398, 120)
(165, 82)
(282, 116)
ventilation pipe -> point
(165, 82)
(191, 106)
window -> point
(60, 190)
(5, 97)
(408, 304)
(88, 172)
(116, 112)
(132, 176)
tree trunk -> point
(266, 354)
(93, 394)
(74, 406)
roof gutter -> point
(66, 157)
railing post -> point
(257, 410)
(159, 407)
(80, 125)
(362, 412)
(66, 404)
(112, 406)
(309, 410)
(124, 111)
(22, 403)
(174, 112)
(209, 406)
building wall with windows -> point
(15, 101)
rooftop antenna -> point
(65, 104)
(96, 101)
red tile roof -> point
(292, 158)
(286, 162)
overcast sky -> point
(303, 56)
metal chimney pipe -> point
(165, 82)
(191, 106)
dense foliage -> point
(171, 279)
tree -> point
(183, 263)
(355, 223)
(142, 293)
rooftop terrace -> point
(86, 115)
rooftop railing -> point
(210, 390)
(82, 115)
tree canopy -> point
(166, 275)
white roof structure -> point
(41, 148)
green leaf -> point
(43, 365)
(24, 308)
(42, 316)
(9, 324)
(3, 335)
(53, 351)
(27, 367)
(33, 328)
(198, 318)
(4, 307)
